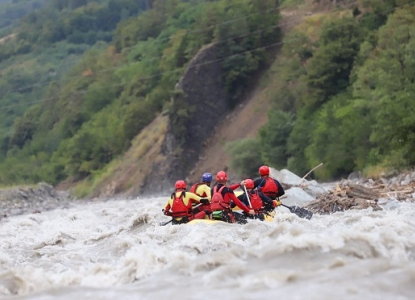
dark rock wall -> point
(201, 90)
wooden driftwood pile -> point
(349, 195)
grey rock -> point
(297, 196)
(355, 176)
(394, 180)
(24, 200)
(407, 180)
(314, 189)
(286, 177)
(309, 189)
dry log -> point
(362, 192)
(348, 195)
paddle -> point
(299, 211)
(165, 223)
(247, 196)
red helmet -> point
(221, 176)
(180, 184)
(264, 170)
(249, 183)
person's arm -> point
(209, 193)
(279, 186)
(269, 201)
(167, 207)
(205, 190)
(265, 198)
(258, 182)
(234, 186)
(191, 197)
(243, 199)
(237, 202)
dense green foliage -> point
(245, 157)
(89, 116)
(37, 51)
(80, 78)
(11, 11)
(352, 93)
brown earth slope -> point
(244, 121)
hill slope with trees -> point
(339, 91)
(347, 94)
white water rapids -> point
(117, 250)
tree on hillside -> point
(274, 137)
(327, 74)
(332, 62)
(387, 82)
(244, 53)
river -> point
(117, 250)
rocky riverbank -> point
(31, 199)
(352, 193)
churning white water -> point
(117, 250)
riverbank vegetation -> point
(342, 93)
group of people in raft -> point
(217, 202)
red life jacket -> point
(178, 208)
(270, 188)
(256, 202)
(194, 188)
(218, 202)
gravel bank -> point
(31, 199)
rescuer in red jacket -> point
(222, 200)
(179, 206)
(270, 187)
(255, 200)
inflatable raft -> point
(268, 218)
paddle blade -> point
(165, 223)
(301, 212)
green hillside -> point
(80, 82)
(40, 48)
(89, 116)
(11, 11)
(343, 93)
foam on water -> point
(117, 250)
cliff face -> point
(197, 107)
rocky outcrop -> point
(23, 200)
(200, 103)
